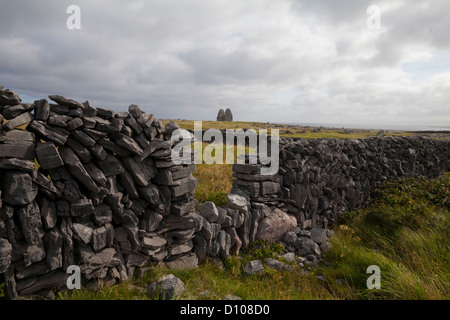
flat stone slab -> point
(66, 102)
(17, 164)
(254, 267)
(48, 156)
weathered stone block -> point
(9, 98)
(17, 144)
(185, 186)
(16, 164)
(66, 102)
(18, 188)
(48, 156)
(53, 246)
(142, 172)
(57, 135)
(81, 208)
(82, 232)
(126, 143)
(18, 121)
(209, 211)
(77, 170)
(275, 226)
(99, 238)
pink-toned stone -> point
(275, 226)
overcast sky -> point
(292, 61)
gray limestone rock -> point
(80, 150)
(318, 235)
(102, 214)
(16, 164)
(54, 280)
(33, 254)
(18, 121)
(83, 232)
(9, 98)
(142, 172)
(126, 143)
(18, 188)
(181, 248)
(275, 226)
(83, 138)
(168, 288)
(48, 212)
(30, 220)
(77, 170)
(99, 238)
(153, 242)
(48, 156)
(307, 246)
(209, 211)
(81, 208)
(17, 144)
(254, 267)
(289, 257)
(5, 255)
(238, 202)
(14, 111)
(135, 111)
(185, 186)
(66, 102)
(53, 246)
(49, 133)
(290, 237)
(277, 265)
(111, 166)
(187, 261)
(150, 220)
(111, 146)
(74, 124)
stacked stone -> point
(218, 236)
(320, 178)
(308, 244)
(88, 186)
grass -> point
(290, 131)
(404, 231)
(214, 180)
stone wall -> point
(94, 188)
(320, 178)
(90, 187)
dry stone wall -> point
(320, 178)
(90, 187)
(95, 188)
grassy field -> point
(291, 131)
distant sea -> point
(378, 126)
